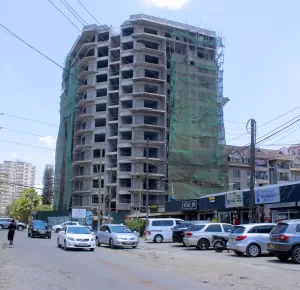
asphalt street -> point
(39, 264)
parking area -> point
(217, 269)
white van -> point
(160, 229)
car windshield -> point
(120, 229)
(40, 224)
(280, 228)
(238, 230)
(78, 230)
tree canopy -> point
(48, 185)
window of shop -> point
(285, 214)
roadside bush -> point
(137, 225)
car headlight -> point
(93, 240)
(120, 238)
(70, 239)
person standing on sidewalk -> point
(11, 231)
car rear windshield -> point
(279, 228)
(182, 226)
(78, 230)
(238, 230)
(195, 228)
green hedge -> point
(137, 225)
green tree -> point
(44, 207)
(48, 185)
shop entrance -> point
(244, 215)
(285, 214)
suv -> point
(285, 241)
(39, 229)
(199, 234)
(250, 238)
(4, 223)
(57, 228)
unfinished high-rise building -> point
(158, 81)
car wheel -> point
(92, 250)
(20, 228)
(218, 247)
(283, 258)
(253, 250)
(203, 244)
(158, 239)
(296, 255)
(111, 243)
(57, 230)
(1, 227)
(58, 244)
(238, 253)
(97, 242)
(65, 246)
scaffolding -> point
(64, 143)
(197, 136)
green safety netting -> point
(195, 163)
(64, 145)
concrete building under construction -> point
(157, 82)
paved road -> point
(39, 264)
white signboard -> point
(234, 199)
(79, 213)
(267, 195)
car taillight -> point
(148, 233)
(282, 237)
(188, 234)
(240, 238)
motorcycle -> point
(219, 243)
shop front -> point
(190, 209)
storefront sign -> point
(212, 199)
(267, 195)
(234, 199)
(190, 204)
(79, 213)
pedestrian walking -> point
(11, 231)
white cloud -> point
(50, 141)
(169, 4)
(14, 154)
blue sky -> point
(260, 72)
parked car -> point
(199, 235)
(76, 237)
(251, 239)
(285, 241)
(159, 230)
(57, 228)
(5, 221)
(116, 235)
(179, 230)
(39, 229)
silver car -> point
(251, 239)
(116, 235)
(5, 222)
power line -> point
(27, 119)
(69, 8)
(48, 137)
(88, 12)
(28, 145)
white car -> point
(57, 228)
(76, 237)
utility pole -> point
(99, 194)
(147, 180)
(109, 202)
(252, 170)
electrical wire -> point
(27, 119)
(48, 137)
(27, 145)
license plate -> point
(82, 244)
(232, 240)
(128, 243)
(271, 246)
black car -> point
(178, 231)
(39, 229)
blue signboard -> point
(267, 195)
(89, 218)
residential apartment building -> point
(271, 167)
(118, 103)
(14, 176)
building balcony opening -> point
(125, 152)
(152, 168)
(103, 36)
(113, 130)
(128, 74)
(96, 168)
(90, 52)
(114, 55)
(95, 198)
(127, 31)
(115, 41)
(112, 145)
(150, 31)
(153, 184)
(151, 120)
(127, 89)
(126, 136)
(113, 99)
(126, 167)
(101, 93)
(148, 44)
(125, 182)
(99, 138)
(113, 114)
(126, 104)
(127, 59)
(152, 136)
(103, 51)
(153, 152)
(101, 122)
(102, 63)
(151, 59)
(114, 84)
(151, 74)
(168, 35)
(97, 153)
(101, 78)
(151, 89)
(126, 120)
(96, 183)
(114, 70)
(100, 107)
(127, 45)
(151, 104)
